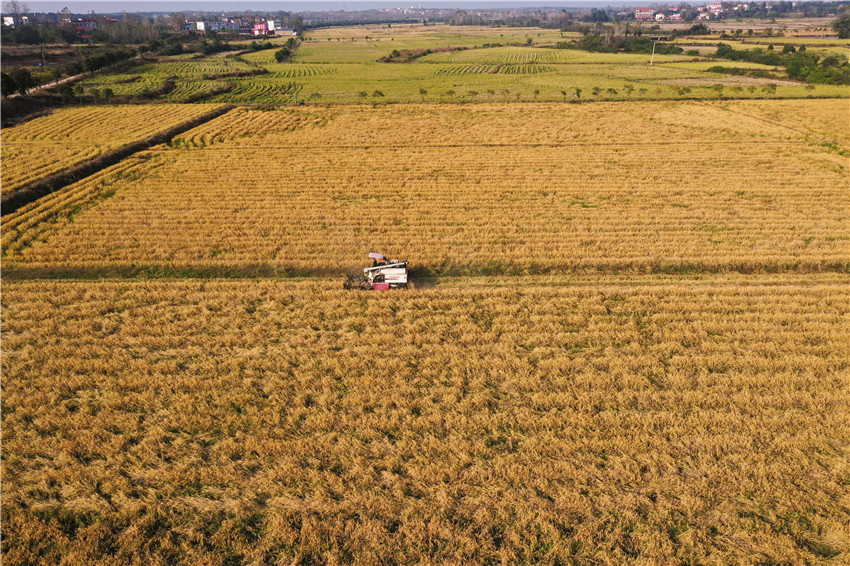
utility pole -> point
(655, 39)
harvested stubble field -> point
(46, 145)
(279, 422)
(748, 186)
(537, 398)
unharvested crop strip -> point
(35, 190)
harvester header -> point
(383, 275)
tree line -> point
(798, 63)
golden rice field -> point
(625, 342)
(291, 422)
(489, 188)
(47, 145)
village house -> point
(15, 20)
(263, 29)
(211, 26)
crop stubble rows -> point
(272, 420)
(628, 419)
(47, 145)
(481, 189)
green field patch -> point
(524, 69)
(464, 70)
(549, 55)
(261, 56)
(706, 65)
(284, 71)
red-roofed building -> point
(263, 29)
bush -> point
(800, 65)
(107, 58)
(618, 44)
(23, 80)
(7, 84)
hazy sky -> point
(296, 6)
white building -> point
(211, 26)
(15, 21)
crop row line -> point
(37, 189)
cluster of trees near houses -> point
(798, 63)
(96, 58)
(128, 29)
(605, 39)
(565, 20)
(20, 80)
(609, 43)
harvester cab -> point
(383, 275)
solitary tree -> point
(177, 20)
(23, 80)
(422, 93)
(7, 84)
(842, 26)
(66, 91)
(577, 92)
(107, 94)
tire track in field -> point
(427, 276)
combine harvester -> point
(385, 274)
